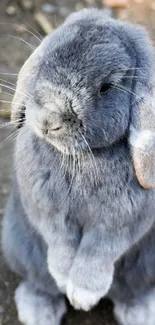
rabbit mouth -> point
(65, 139)
(67, 145)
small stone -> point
(48, 8)
(4, 191)
(11, 10)
(27, 4)
(64, 11)
(79, 6)
(1, 309)
(6, 283)
(7, 319)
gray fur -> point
(77, 213)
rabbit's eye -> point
(104, 88)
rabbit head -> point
(88, 85)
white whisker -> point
(11, 88)
(126, 69)
(27, 30)
(91, 154)
(135, 77)
(8, 138)
(5, 124)
(125, 90)
(5, 92)
(10, 83)
(31, 27)
(5, 101)
(20, 39)
(72, 179)
(9, 73)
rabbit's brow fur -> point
(78, 221)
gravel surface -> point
(13, 53)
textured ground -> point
(13, 53)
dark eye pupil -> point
(104, 88)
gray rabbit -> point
(81, 217)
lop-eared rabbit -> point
(80, 220)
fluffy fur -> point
(77, 216)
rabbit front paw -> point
(85, 297)
(82, 298)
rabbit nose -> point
(56, 128)
(53, 123)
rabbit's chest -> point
(85, 191)
(112, 192)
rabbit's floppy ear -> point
(142, 124)
(25, 85)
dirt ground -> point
(13, 53)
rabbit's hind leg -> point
(36, 307)
(38, 300)
(140, 311)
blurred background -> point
(23, 23)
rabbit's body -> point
(77, 193)
(77, 213)
(26, 251)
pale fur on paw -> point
(82, 298)
(36, 309)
